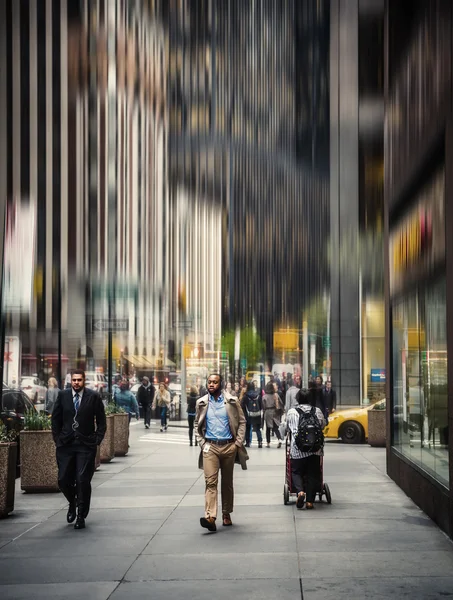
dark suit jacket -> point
(330, 399)
(91, 409)
(146, 395)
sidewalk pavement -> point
(143, 538)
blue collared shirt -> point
(217, 423)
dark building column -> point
(344, 199)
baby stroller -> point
(288, 490)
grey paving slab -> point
(9, 528)
(112, 515)
(283, 589)
(114, 528)
(134, 501)
(251, 511)
(30, 514)
(64, 569)
(379, 588)
(76, 544)
(227, 540)
(376, 564)
(147, 491)
(356, 541)
(346, 510)
(239, 499)
(181, 526)
(55, 591)
(126, 478)
(237, 565)
(337, 526)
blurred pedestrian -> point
(252, 406)
(330, 398)
(51, 395)
(78, 427)
(317, 399)
(273, 411)
(293, 389)
(220, 425)
(145, 397)
(191, 412)
(162, 399)
(126, 400)
(116, 386)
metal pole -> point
(305, 351)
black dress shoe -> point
(70, 517)
(80, 523)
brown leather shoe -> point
(300, 500)
(309, 505)
(208, 523)
(227, 522)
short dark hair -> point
(215, 375)
(303, 396)
(269, 389)
(250, 386)
(78, 372)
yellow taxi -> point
(351, 425)
(256, 376)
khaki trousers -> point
(219, 458)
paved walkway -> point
(143, 538)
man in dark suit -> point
(145, 397)
(73, 427)
(330, 398)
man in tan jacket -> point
(220, 426)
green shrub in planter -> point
(39, 471)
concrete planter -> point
(38, 468)
(8, 458)
(377, 428)
(108, 443)
(121, 434)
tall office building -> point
(419, 216)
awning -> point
(140, 361)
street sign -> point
(243, 363)
(111, 324)
(183, 324)
(326, 342)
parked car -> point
(34, 389)
(134, 388)
(351, 425)
(96, 381)
(14, 405)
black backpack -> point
(309, 436)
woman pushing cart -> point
(304, 453)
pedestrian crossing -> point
(154, 436)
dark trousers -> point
(147, 413)
(75, 470)
(274, 428)
(256, 427)
(306, 476)
(191, 420)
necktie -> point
(76, 402)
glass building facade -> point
(420, 258)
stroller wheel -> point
(285, 494)
(327, 493)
